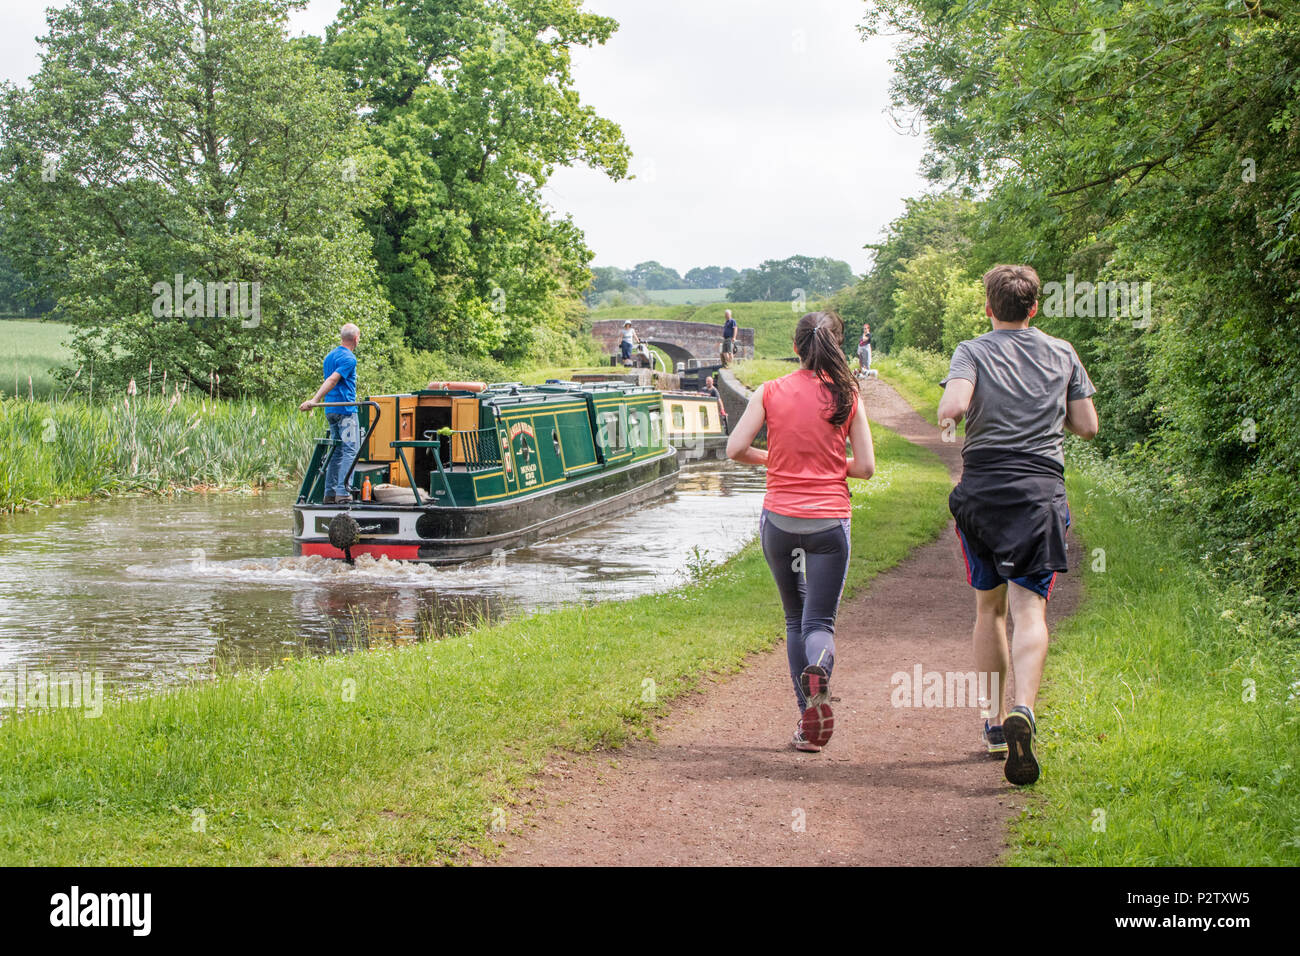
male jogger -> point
(1019, 390)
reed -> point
(59, 450)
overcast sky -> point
(758, 129)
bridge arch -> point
(679, 340)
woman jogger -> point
(805, 522)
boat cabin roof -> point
(502, 394)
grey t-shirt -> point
(1023, 379)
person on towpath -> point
(1020, 390)
(804, 525)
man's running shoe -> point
(995, 740)
(1019, 728)
(818, 721)
(803, 743)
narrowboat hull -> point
(450, 535)
(691, 450)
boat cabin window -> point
(555, 440)
(704, 416)
(611, 426)
(636, 427)
(656, 429)
(679, 417)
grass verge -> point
(401, 755)
(754, 372)
(1170, 716)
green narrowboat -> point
(461, 470)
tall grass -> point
(1169, 724)
(57, 450)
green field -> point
(687, 296)
(30, 347)
(406, 755)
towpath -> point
(721, 785)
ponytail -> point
(817, 339)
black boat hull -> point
(436, 535)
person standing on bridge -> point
(628, 342)
(340, 385)
(1020, 391)
(728, 339)
(804, 527)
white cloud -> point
(763, 122)
(758, 127)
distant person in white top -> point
(628, 342)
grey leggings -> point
(810, 569)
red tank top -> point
(807, 465)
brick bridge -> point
(679, 340)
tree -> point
(1145, 142)
(19, 296)
(921, 299)
(787, 279)
(651, 275)
(473, 101)
(710, 277)
(608, 278)
(963, 311)
(195, 141)
(942, 222)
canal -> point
(153, 592)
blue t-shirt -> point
(342, 360)
(729, 329)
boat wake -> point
(289, 570)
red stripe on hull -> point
(394, 552)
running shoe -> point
(1019, 729)
(818, 721)
(995, 740)
(803, 743)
